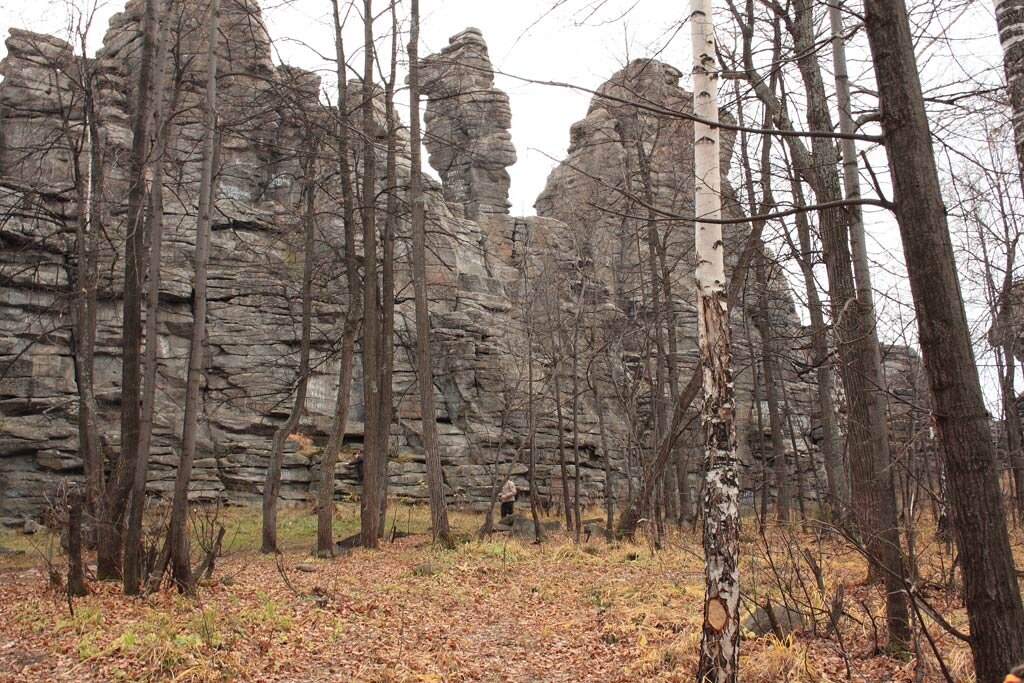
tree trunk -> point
(991, 593)
(374, 452)
(89, 182)
(387, 300)
(178, 536)
(76, 574)
(424, 371)
(531, 408)
(719, 649)
(783, 494)
(609, 500)
(108, 556)
(831, 448)
(559, 418)
(272, 485)
(328, 464)
(132, 568)
(577, 503)
(874, 492)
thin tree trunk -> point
(831, 448)
(424, 371)
(658, 412)
(76, 574)
(762, 517)
(108, 555)
(798, 469)
(329, 462)
(609, 500)
(90, 182)
(683, 487)
(132, 568)
(991, 593)
(374, 453)
(559, 418)
(531, 408)
(178, 536)
(851, 183)
(783, 494)
(719, 649)
(577, 504)
(328, 465)
(272, 484)
(387, 302)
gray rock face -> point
(469, 120)
(632, 151)
(491, 277)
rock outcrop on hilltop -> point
(505, 291)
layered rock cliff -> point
(514, 300)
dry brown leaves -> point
(494, 611)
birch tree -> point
(1010, 20)
(719, 649)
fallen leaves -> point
(488, 611)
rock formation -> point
(468, 122)
(633, 151)
(505, 291)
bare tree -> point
(110, 541)
(159, 130)
(375, 448)
(325, 498)
(991, 593)
(272, 484)
(178, 536)
(424, 373)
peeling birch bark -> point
(719, 650)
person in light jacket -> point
(507, 497)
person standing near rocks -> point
(356, 463)
(507, 497)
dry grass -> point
(498, 610)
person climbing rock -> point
(507, 497)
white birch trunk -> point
(719, 651)
(1010, 20)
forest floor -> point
(494, 610)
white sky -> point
(577, 44)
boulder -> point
(785, 618)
